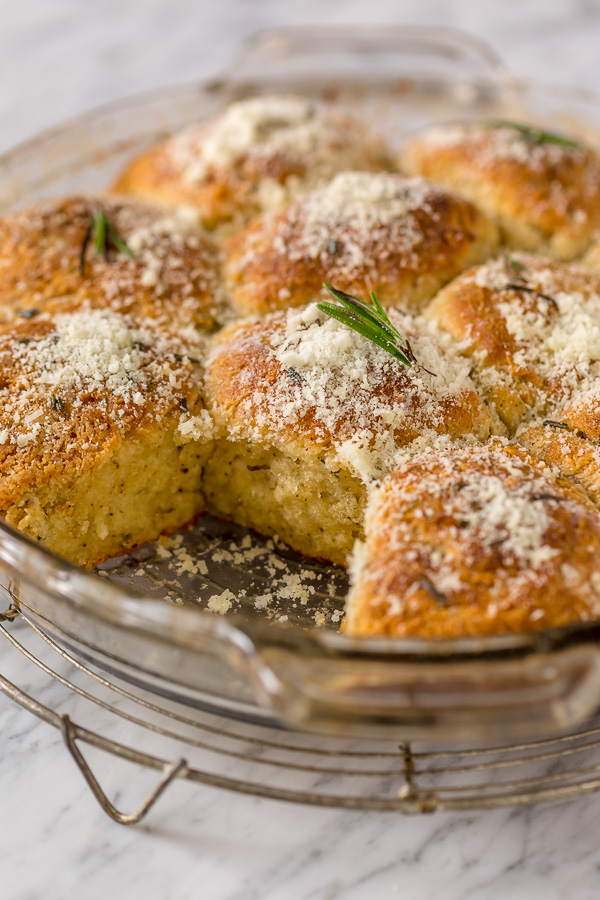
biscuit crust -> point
(483, 540)
(103, 432)
(544, 196)
(531, 328)
(402, 238)
(255, 155)
(172, 277)
(309, 415)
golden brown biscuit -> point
(402, 238)
(472, 542)
(103, 432)
(591, 260)
(171, 278)
(570, 440)
(255, 155)
(531, 328)
(310, 413)
(542, 190)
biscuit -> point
(402, 238)
(471, 542)
(531, 328)
(309, 414)
(257, 154)
(542, 189)
(49, 262)
(103, 432)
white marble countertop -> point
(57, 59)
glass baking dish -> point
(142, 617)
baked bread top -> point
(73, 384)
(309, 385)
(475, 541)
(402, 238)
(541, 188)
(53, 258)
(531, 327)
(255, 155)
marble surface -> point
(62, 57)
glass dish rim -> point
(97, 598)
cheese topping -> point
(556, 330)
(97, 362)
(269, 127)
(358, 396)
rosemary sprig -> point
(104, 235)
(370, 320)
(515, 267)
(509, 286)
(58, 404)
(533, 135)
(433, 592)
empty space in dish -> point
(226, 568)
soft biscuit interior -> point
(103, 432)
(541, 188)
(402, 238)
(257, 154)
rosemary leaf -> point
(357, 307)
(376, 337)
(118, 241)
(378, 306)
(84, 246)
(533, 135)
(433, 592)
(371, 321)
(99, 231)
(528, 290)
(57, 404)
(514, 264)
(104, 234)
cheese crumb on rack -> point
(221, 603)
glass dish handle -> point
(544, 693)
(373, 52)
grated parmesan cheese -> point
(295, 129)
(360, 212)
(485, 525)
(501, 143)
(355, 394)
(221, 603)
(95, 361)
(560, 340)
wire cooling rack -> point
(180, 742)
